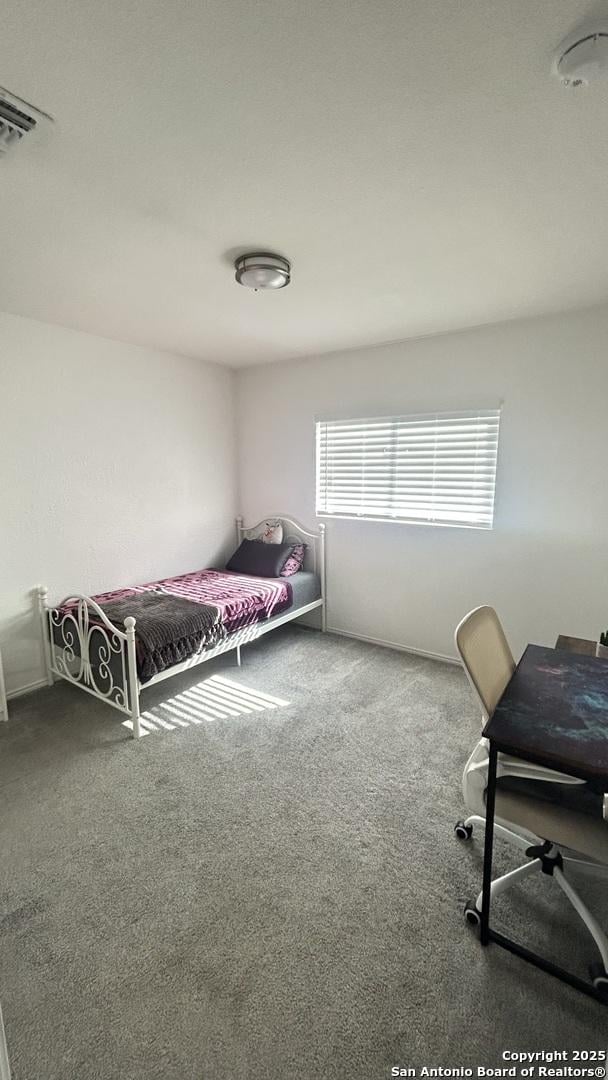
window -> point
(438, 468)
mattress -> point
(305, 587)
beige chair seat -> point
(579, 832)
(559, 824)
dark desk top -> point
(554, 712)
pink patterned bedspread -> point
(167, 633)
(242, 600)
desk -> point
(554, 713)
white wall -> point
(117, 466)
(544, 565)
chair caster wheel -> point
(463, 832)
(471, 914)
(599, 978)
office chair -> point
(551, 827)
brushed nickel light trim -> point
(262, 270)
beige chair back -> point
(485, 653)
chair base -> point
(549, 859)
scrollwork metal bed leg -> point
(45, 630)
(133, 682)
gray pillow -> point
(260, 559)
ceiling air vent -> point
(17, 118)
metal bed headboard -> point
(314, 558)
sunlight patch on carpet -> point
(215, 698)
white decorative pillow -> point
(269, 532)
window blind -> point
(438, 468)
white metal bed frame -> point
(87, 625)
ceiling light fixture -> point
(262, 270)
(17, 119)
(582, 58)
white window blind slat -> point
(439, 468)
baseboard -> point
(27, 689)
(394, 645)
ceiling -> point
(416, 162)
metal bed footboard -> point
(83, 647)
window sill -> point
(405, 521)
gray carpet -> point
(260, 892)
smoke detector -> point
(582, 58)
(17, 119)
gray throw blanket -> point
(168, 628)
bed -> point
(94, 641)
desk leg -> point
(488, 845)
